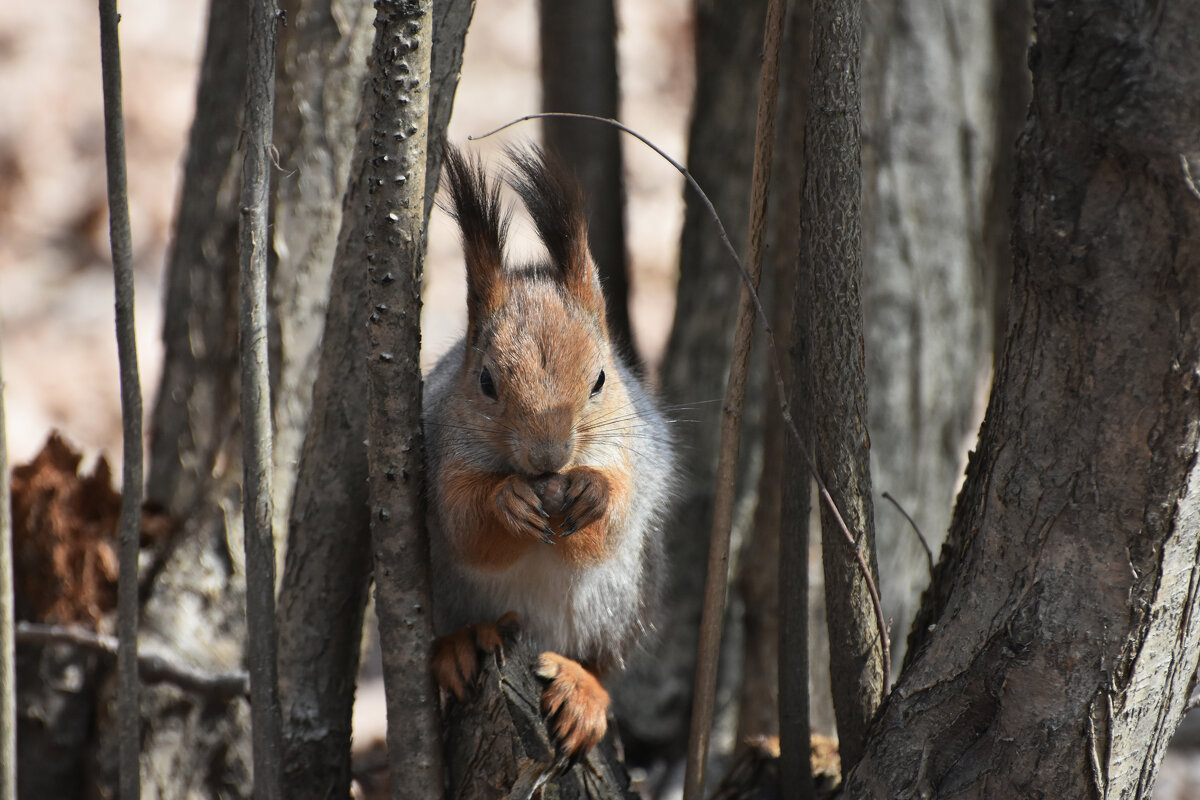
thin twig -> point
(153, 667)
(716, 585)
(773, 354)
(8, 677)
(916, 529)
(128, 717)
(267, 726)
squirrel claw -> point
(547, 535)
(575, 705)
(456, 656)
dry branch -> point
(128, 715)
(152, 667)
(717, 581)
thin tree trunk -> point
(257, 438)
(396, 228)
(831, 253)
(8, 674)
(322, 64)
(1065, 643)
(717, 574)
(128, 711)
(760, 568)
(579, 74)
(328, 566)
(653, 702)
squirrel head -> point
(538, 377)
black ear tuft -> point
(556, 206)
(484, 226)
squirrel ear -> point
(484, 226)
(556, 205)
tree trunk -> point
(835, 389)
(653, 701)
(760, 570)
(195, 462)
(396, 223)
(928, 145)
(8, 650)
(328, 564)
(1065, 645)
(322, 65)
(497, 745)
(579, 74)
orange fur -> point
(574, 702)
(489, 541)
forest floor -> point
(57, 347)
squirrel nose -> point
(548, 456)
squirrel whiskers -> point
(551, 468)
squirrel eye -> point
(485, 383)
(598, 385)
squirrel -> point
(551, 467)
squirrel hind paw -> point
(456, 655)
(575, 705)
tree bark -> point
(1012, 30)
(928, 154)
(760, 569)
(579, 75)
(8, 651)
(1064, 644)
(497, 745)
(328, 566)
(262, 644)
(128, 711)
(195, 462)
(395, 233)
(653, 701)
(834, 391)
(322, 65)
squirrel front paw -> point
(575, 705)
(586, 498)
(520, 509)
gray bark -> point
(579, 75)
(259, 539)
(195, 462)
(328, 565)
(834, 393)
(653, 701)
(395, 233)
(928, 150)
(128, 714)
(717, 574)
(1065, 642)
(322, 64)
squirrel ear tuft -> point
(484, 226)
(556, 206)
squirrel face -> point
(538, 368)
(540, 372)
